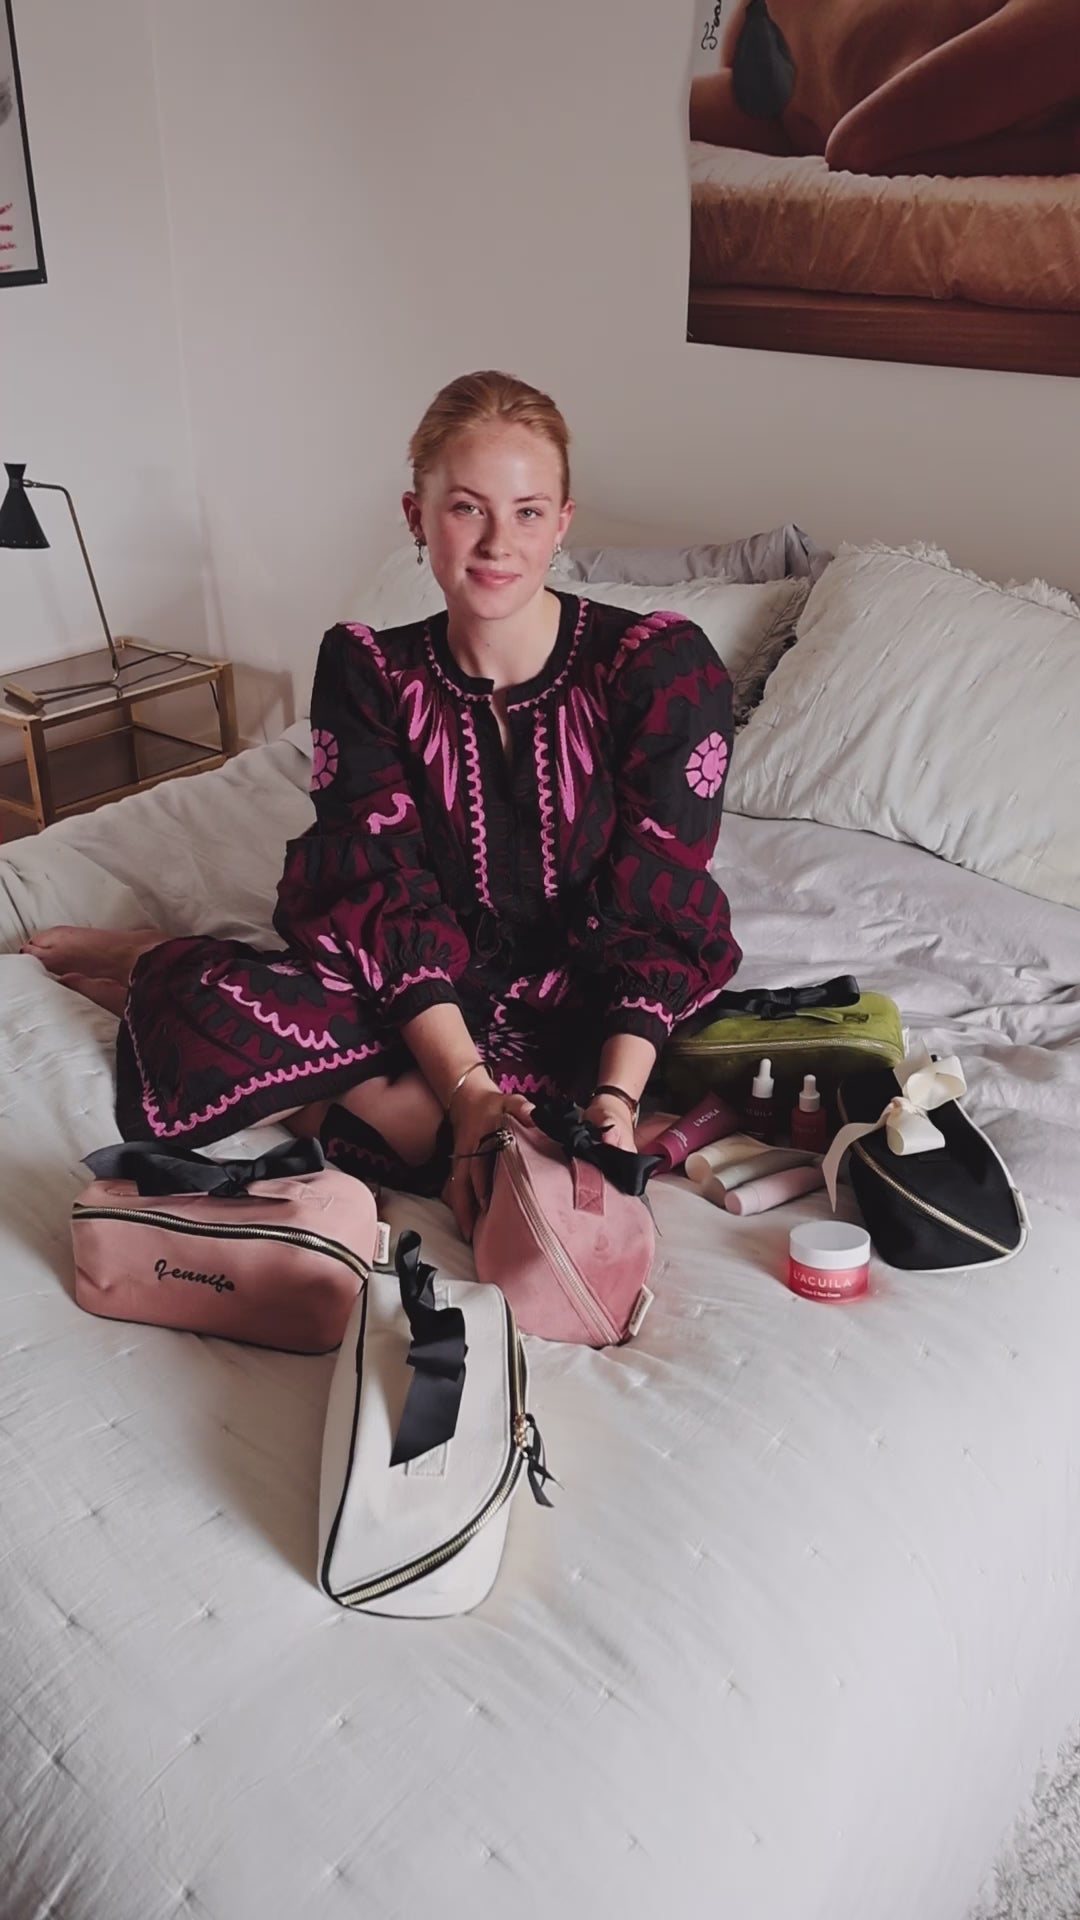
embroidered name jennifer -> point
(215, 1280)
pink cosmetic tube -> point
(759, 1196)
(710, 1120)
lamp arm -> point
(50, 486)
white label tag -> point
(382, 1244)
(641, 1307)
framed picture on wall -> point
(888, 180)
(22, 262)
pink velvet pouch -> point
(275, 1260)
(571, 1251)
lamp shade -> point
(19, 524)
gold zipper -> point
(416, 1569)
(971, 1233)
(292, 1236)
(564, 1267)
(756, 1048)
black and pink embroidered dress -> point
(558, 894)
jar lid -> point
(830, 1245)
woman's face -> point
(491, 513)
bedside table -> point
(57, 777)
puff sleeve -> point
(357, 896)
(657, 923)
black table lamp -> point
(20, 527)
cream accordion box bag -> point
(427, 1436)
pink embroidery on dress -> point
(366, 962)
(554, 985)
(515, 706)
(575, 719)
(333, 982)
(367, 639)
(283, 1076)
(706, 766)
(429, 732)
(699, 1000)
(649, 1006)
(476, 806)
(652, 826)
(524, 1082)
(377, 821)
(415, 980)
(542, 750)
(286, 1030)
(324, 758)
(635, 636)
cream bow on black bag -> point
(934, 1193)
(427, 1436)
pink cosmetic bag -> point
(568, 1238)
(271, 1251)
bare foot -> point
(91, 952)
(104, 993)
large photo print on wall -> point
(21, 259)
(889, 179)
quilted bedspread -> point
(802, 1623)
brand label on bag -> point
(641, 1307)
(215, 1280)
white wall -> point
(91, 390)
(369, 196)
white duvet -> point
(803, 1622)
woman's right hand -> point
(477, 1111)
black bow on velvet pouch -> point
(158, 1170)
(784, 1003)
(580, 1139)
(437, 1357)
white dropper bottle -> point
(759, 1117)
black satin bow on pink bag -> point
(158, 1170)
(581, 1139)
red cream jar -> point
(828, 1260)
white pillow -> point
(929, 706)
(748, 625)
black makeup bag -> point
(950, 1206)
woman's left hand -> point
(614, 1119)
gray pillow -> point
(786, 552)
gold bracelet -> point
(459, 1083)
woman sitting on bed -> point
(899, 86)
(506, 887)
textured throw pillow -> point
(402, 592)
(749, 626)
(928, 706)
(783, 552)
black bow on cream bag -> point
(426, 1439)
(934, 1193)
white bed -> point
(802, 1625)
